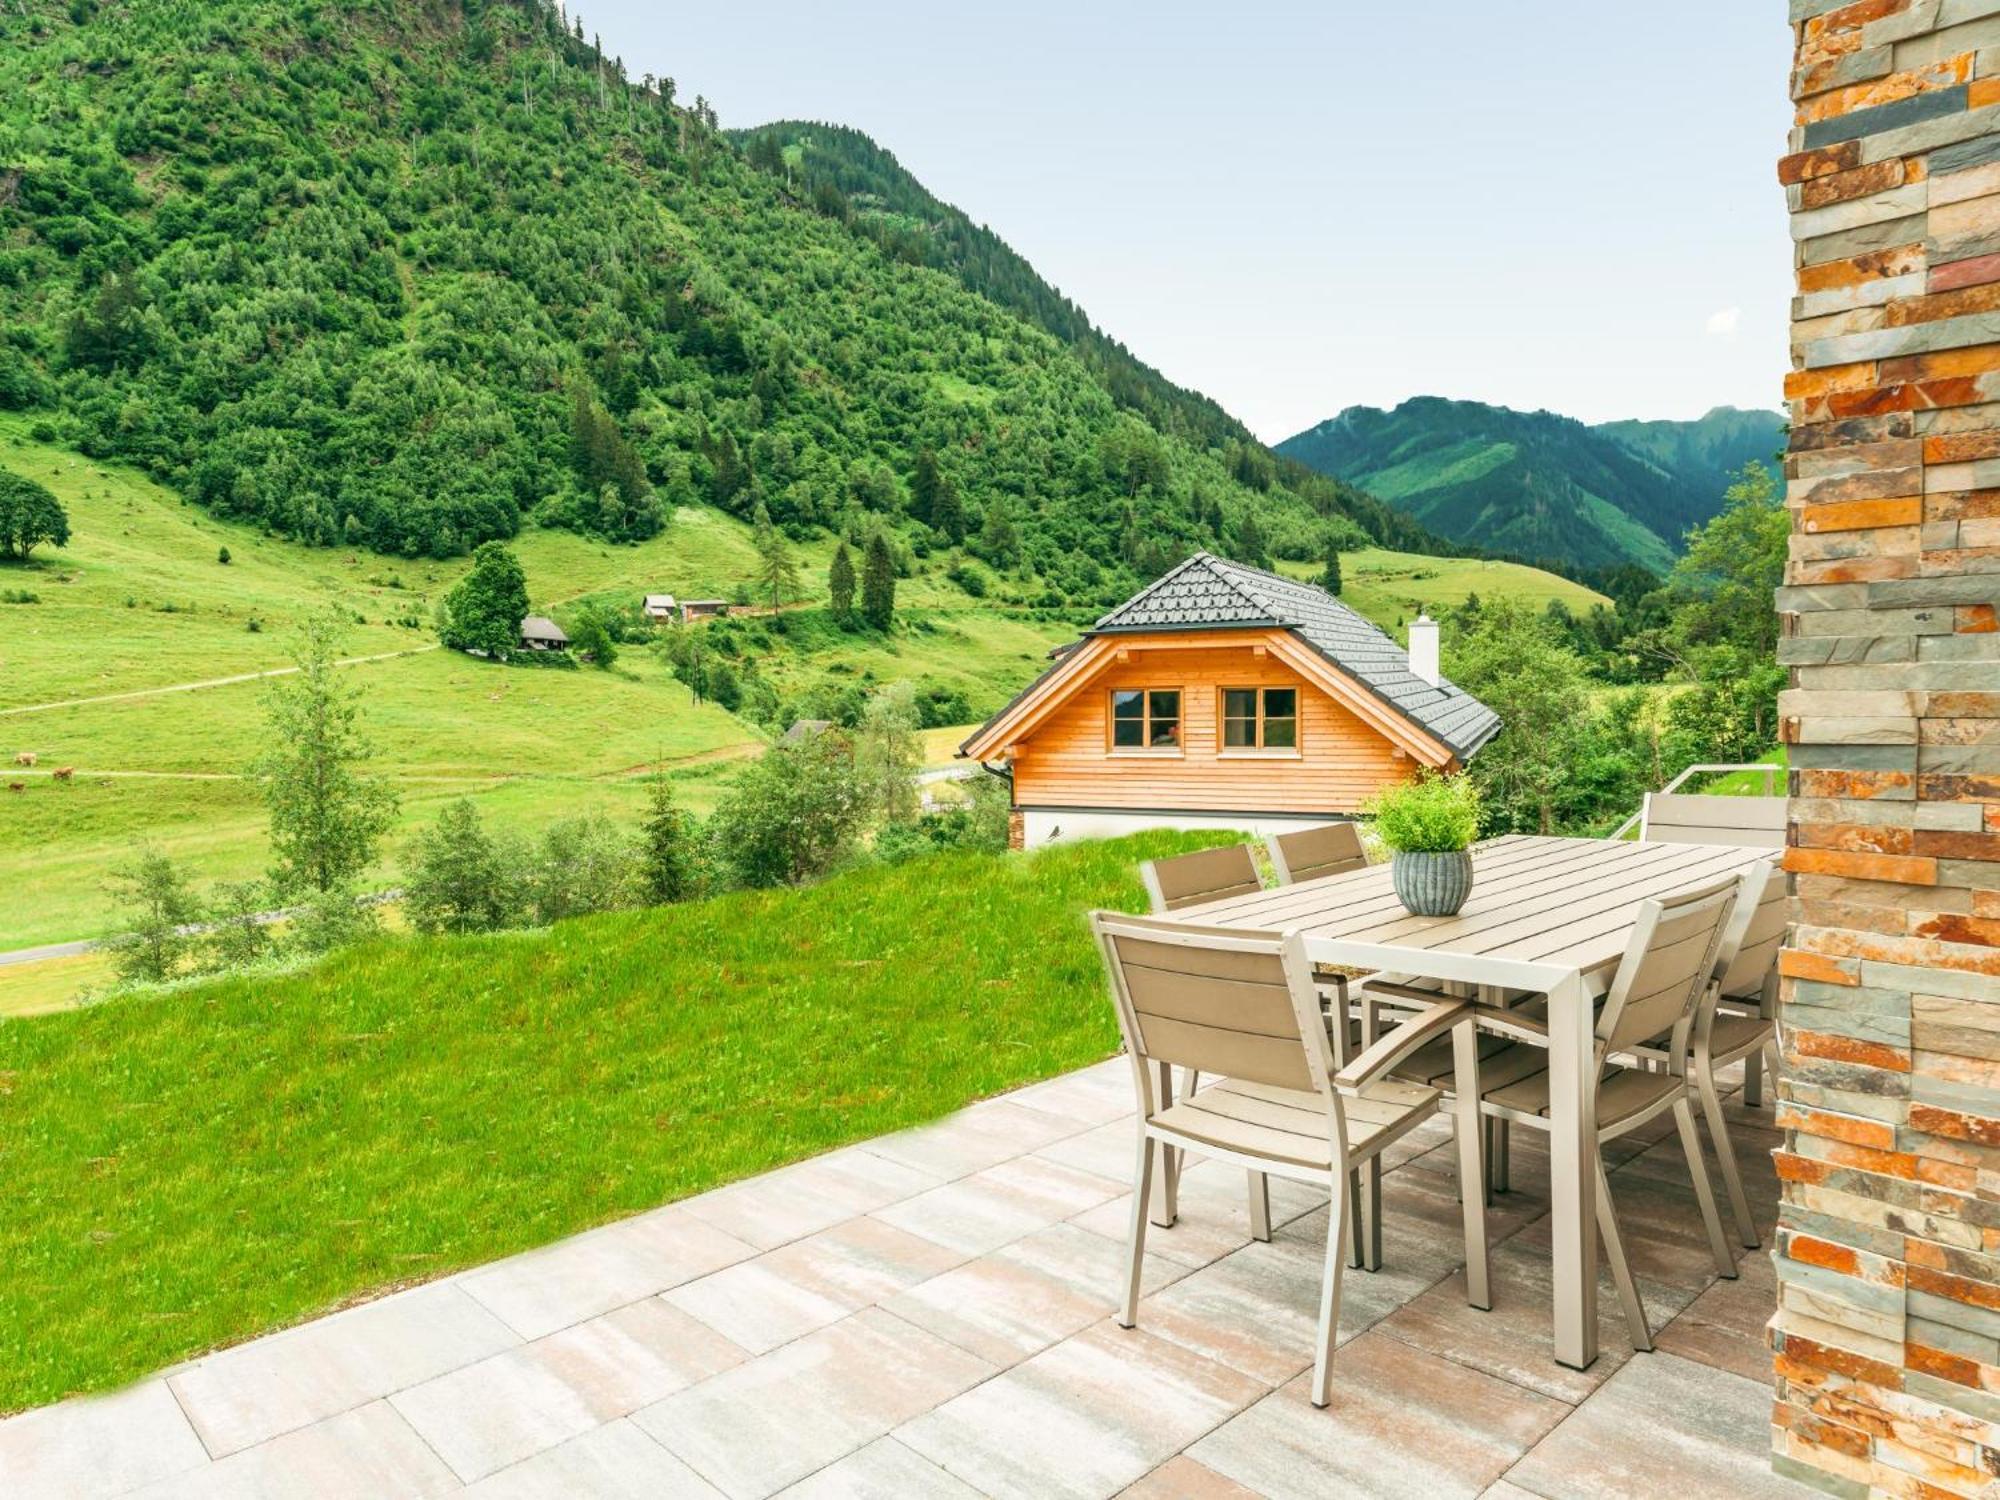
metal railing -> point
(1771, 775)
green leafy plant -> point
(1432, 815)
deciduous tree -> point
(30, 517)
(483, 612)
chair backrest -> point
(1238, 1004)
(1748, 956)
(1205, 875)
(1330, 849)
(1667, 967)
(1690, 818)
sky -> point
(1297, 208)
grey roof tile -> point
(1209, 593)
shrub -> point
(670, 851)
(458, 881)
(1432, 815)
(157, 907)
(237, 934)
(331, 919)
(584, 864)
(792, 814)
(19, 596)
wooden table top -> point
(1564, 903)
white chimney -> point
(1424, 648)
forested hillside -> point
(1542, 486)
(414, 275)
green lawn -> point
(216, 1161)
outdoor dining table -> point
(1549, 916)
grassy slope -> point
(529, 746)
(213, 1162)
(1391, 587)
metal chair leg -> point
(1339, 1225)
(1621, 1268)
(1142, 1190)
(1260, 1207)
(1725, 1153)
(1718, 1242)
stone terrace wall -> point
(1887, 1336)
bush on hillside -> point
(793, 813)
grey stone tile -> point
(1662, 1425)
(1724, 1326)
(1214, 1213)
(774, 1420)
(495, 1413)
(1001, 1203)
(243, 1396)
(973, 1139)
(613, 1462)
(1089, 1096)
(1402, 1425)
(634, 1356)
(1181, 1478)
(105, 1445)
(809, 1283)
(1025, 1296)
(1082, 1419)
(588, 1274)
(1111, 1151)
(884, 1470)
(368, 1451)
(1514, 1339)
(790, 1204)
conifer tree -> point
(878, 584)
(924, 485)
(948, 512)
(1330, 579)
(777, 574)
(840, 586)
(669, 859)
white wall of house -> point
(1060, 826)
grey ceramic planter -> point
(1432, 885)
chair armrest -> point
(1514, 1023)
(1424, 1026)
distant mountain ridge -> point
(1539, 485)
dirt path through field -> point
(190, 687)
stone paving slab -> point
(926, 1315)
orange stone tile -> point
(1852, 1129)
(1983, 91)
(1866, 837)
(1955, 1126)
(1840, 187)
(1862, 515)
(1854, 377)
(1975, 619)
(1853, 784)
(1794, 964)
(1898, 260)
(1848, 1049)
(1903, 869)
(1953, 304)
(1964, 1289)
(1814, 1355)
(1814, 1252)
(1803, 166)
(1963, 447)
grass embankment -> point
(199, 1166)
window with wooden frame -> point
(1260, 719)
(1146, 719)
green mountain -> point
(410, 276)
(1541, 486)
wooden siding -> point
(1067, 762)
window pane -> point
(1281, 734)
(1166, 731)
(1239, 734)
(1128, 705)
(1165, 705)
(1281, 703)
(1239, 703)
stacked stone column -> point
(1887, 1334)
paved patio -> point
(927, 1315)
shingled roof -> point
(1209, 593)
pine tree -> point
(924, 485)
(1330, 579)
(840, 586)
(669, 857)
(777, 574)
(1250, 546)
(878, 584)
(948, 512)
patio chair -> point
(1659, 989)
(1205, 875)
(1244, 1008)
(1745, 979)
(1312, 853)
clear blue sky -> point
(1301, 207)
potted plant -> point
(1430, 824)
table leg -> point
(1572, 1172)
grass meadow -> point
(216, 1160)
